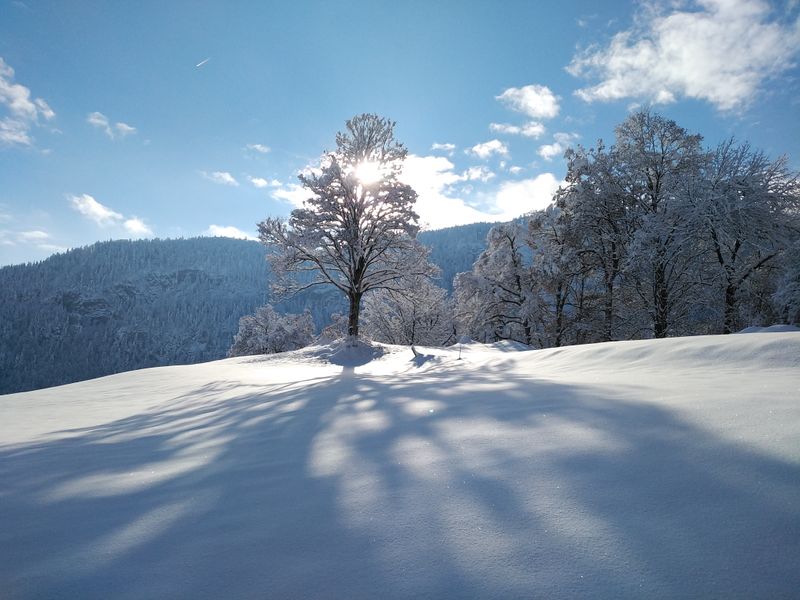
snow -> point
(771, 328)
(662, 468)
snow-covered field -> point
(645, 469)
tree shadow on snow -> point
(356, 486)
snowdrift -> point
(666, 468)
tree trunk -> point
(730, 308)
(608, 310)
(559, 316)
(355, 310)
(661, 300)
(609, 277)
(528, 332)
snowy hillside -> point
(645, 469)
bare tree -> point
(357, 228)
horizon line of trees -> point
(650, 237)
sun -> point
(369, 172)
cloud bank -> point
(720, 51)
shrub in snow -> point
(268, 332)
(418, 314)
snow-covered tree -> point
(787, 294)
(419, 314)
(600, 209)
(558, 278)
(528, 285)
(657, 161)
(746, 208)
(357, 228)
(269, 332)
(495, 301)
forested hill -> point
(122, 305)
(454, 249)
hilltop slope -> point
(662, 468)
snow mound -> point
(510, 346)
(660, 468)
(349, 352)
(772, 329)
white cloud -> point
(99, 120)
(36, 238)
(531, 129)
(293, 193)
(439, 188)
(480, 173)
(136, 227)
(428, 172)
(449, 148)
(720, 51)
(228, 231)
(560, 144)
(43, 109)
(18, 111)
(112, 130)
(486, 149)
(220, 177)
(433, 178)
(124, 129)
(260, 182)
(515, 198)
(33, 236)
(536, 101)
(52, 247)
(93, 210)
(549, 151)
(260, 148)
(515, 170)
(104, 216)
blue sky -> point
(167, 119)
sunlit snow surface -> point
(637, 469)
